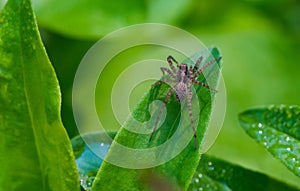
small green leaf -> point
(36, 153)
(214, 175)
(178, 170)
(277, 128)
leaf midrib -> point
(30, 112)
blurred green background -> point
(259, 40)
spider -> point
(183, 77)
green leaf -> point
(113, 177)
(277, 128)
(93, 19)
(215, 175)
(212, 173)
(35, 150)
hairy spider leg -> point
(203, 84)
(170, 59)
(161, 110)
(168, 81)
(199, 60)
(168, 71)
(206, 65)
(189, 104)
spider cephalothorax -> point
(183, 77)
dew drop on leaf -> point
(210, 166)
(277, 129)
(89, 162)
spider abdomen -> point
(180, 91)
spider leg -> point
(168, 71)
(168, 81)
(204, 85)
(161, 110)
(189, 104)
(205, 66)
(191, 72)
(191, 69)
(170, 60)
(199, 60)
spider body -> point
(183, 77)
(180, 91)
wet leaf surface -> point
(277, 128)
(214, 174)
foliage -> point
(261, 51)
(188, 157)
(216, 174)
(211, 173)
(277, 128)
(35, 150)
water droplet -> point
(200, 189)
(90, 181)
(260, 125)
(287, 138)
(196, 180)
(288, 149)
(210, 166)
(102, 144)
(86, 182)
(265, 137)
(200, 175)
(294, 159)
